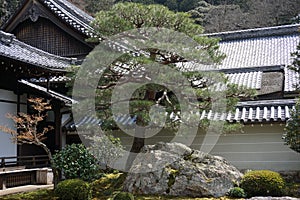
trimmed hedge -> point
(263, 183)
(73, 189)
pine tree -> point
(128, 68)
(292, 129)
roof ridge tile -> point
(6, 38)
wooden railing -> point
(22, 170)
(15, 178)
(25, 161)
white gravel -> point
(274, 198)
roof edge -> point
(274, 102)
(68, 100)
(256, 32)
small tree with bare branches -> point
(27, 131)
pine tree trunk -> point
(140, 130)
(138, 140)
(137, 145)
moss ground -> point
(106, 186)
(49, 195)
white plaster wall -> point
(257, 147)
(7, 148)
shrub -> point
(75, 161)
(292, 189)
(237, 192)
(123, 196)
(73, 189)
(262, 183)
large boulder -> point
(177, 170)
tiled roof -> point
(52, 79)
(71, 15)
(14, 49)
(51, 93)
(291, 80)
(250, 80)
(267, 51)
(245, 112)
(125, 120)
(255, 112)
(258, 47)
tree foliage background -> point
(213, 15)
(226, 15)
(7, 8)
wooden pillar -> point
(57, 128)
(19, 148)
(3, 181)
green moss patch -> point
(108, 184)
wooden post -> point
(2, 162)
(19, 148)
(33, 161)
(3, 182)
(57, 122)
(33, 177)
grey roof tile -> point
(258, 47)
(12, 48)
(52, 79)
(87, 120)
(291, 80)
(250, 80)
(263, 51)
(256, 111)
(246, 112)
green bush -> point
(237, 192)
(123, 196)
(73, 189)
(75, 161)
(263, 183)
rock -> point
(177, 170)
